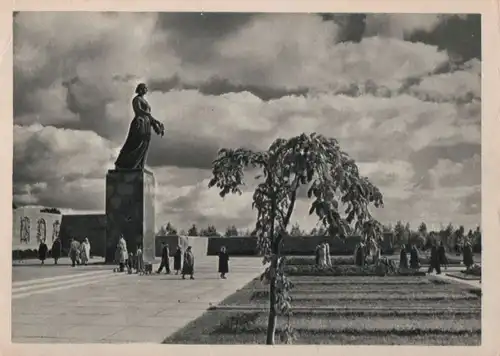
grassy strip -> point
(328, 295)
(311, 338)
(368, 289)
(464, 276)
(421, 314)
(252, 323)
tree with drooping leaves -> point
(193, 231)
(340, 200)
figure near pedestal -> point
(134, 152)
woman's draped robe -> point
(134, 152)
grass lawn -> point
(348, 310)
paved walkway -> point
(99, 306)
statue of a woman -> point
(135, 149)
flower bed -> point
(349, 260)
(345, 270)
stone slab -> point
(130, 210)
(117, 310)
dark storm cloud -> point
(460, 37)
(183, 151)
(219, 86)
(352, 26)
(194, 33)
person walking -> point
(122, 253)
(468, 257)
(223, 262)
(178, 260)
(140, 260)
(165, 259)
(434, 261)
(85, 251)
(42, 251)
(56, 250)
(188, 264)
(74, 249)
(414, 258)
(403, 258)
(443, 260)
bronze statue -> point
(135, 149)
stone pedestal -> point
(130, 210)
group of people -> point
(183, 261)
(79, 253)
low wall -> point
(293, 245)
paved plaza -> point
(91, 304)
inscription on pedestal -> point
(130, 211)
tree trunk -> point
(271, 322)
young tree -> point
(333, 182)
(231, 231)
(296, 231)
(209, 231)
(422, 229)
(193, 231)
(399, 233)
(170, 229)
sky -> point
(400, 92)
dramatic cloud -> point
(402, 97)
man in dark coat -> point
(434, 261)
(403, 258)
(414, 258)
(223, 262)
(165, 262)
(443, 260)
(42, 251)
(56, 250)
(178, 260)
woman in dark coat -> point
(223, 262)
(434, 262)
(42, 251)
(403, 258)
(188, 265)
(360, 255)
(467, 254)
(443, 260)
(414, 258)
(56, 250)
(178, 260)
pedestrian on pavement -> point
(74, 249)
(42, 251)
(188, 265)
(140, 260)
(122, 253)
(434, 260)
(178, 260)
(165, 259)
(443, 260)
(56, 250)
(403, 258)
(414, 258)
(223, 262)
(85, 251)
(467, 255)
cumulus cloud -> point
(382, 84)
